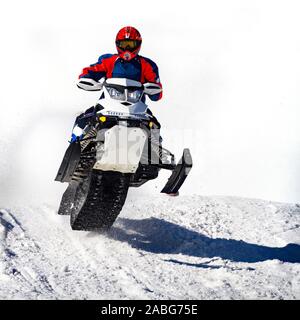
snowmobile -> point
(114, 146)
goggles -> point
(128, 44)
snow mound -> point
(188, 247)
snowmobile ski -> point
(179, 174)
(69, 162)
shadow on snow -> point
(160, 236)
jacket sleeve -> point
(151, 74)
(97, 70)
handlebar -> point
(88, 84)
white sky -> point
(231, 77)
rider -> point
(127, 63)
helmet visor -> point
(128, 44)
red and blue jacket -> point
(112, 66)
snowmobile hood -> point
(124, 82)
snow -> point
(189, 247)
(231, 94)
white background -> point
(231, 77)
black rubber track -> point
(99, 200)
(67, 199)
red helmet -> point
(128, 42)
